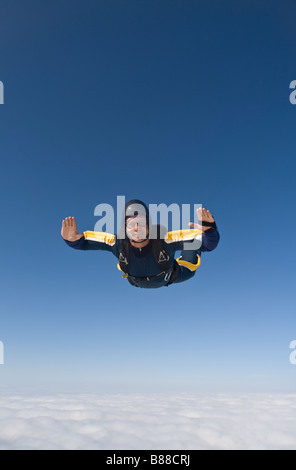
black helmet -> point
(136, 207)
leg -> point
(188, 264)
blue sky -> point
(170, 102)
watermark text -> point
(293, 94)
(293, 353)
(155, 220)
(1, 353)
(1, 93)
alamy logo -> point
(1, 353)
(1, 93)
(293, 94)
(174, 216)
(293, 353)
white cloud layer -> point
(154, 421)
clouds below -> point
(156, 421)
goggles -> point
(131, 222)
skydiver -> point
(146, 261)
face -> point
(136, 228)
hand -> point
(202, 215)
(69, 230)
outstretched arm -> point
(86, 240)
(206, 223)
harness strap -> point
(149, 278)
(125, 275)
